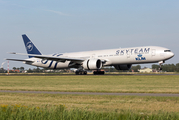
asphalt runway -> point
(84, 75)
(91, 93)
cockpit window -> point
(167, 50)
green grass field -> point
(21, 112)
(143, 107)
(143, 84)
(103, 103)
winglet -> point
(30, 47)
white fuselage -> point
(134, 55)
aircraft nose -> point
(172, 54)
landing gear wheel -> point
(81, 72)
(77, 73)
(160, 69)
(160, 63)
(85, 72)
(98, 72)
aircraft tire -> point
(81, 72)
(85, 72)
(98, 72)
(77, 73)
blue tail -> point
(30, 47)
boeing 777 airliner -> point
(121, 59)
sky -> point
(59, 26)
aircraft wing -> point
(20, 60)
(48, 57)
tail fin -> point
(30, 47)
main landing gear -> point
(81, 72)
(98, 72)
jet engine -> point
(92, 64)
(123, 67)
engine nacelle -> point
(92, 64)
(123, 67)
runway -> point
(12, 74)
(91, 93)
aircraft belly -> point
(61, 65)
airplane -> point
(120, 58)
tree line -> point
(167, 67)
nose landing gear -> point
(160, 63)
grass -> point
(103, 103)
(46, 106)
(142, 84)
(19, 112)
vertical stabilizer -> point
(30, 47)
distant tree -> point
(14, 68)
(2, 70)
(173, 68)
(167, 67)
(177, 67)
(29, 70)
(37, 70)
(112, 69)
(21, 68)
(154, 66)
(135, 68)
